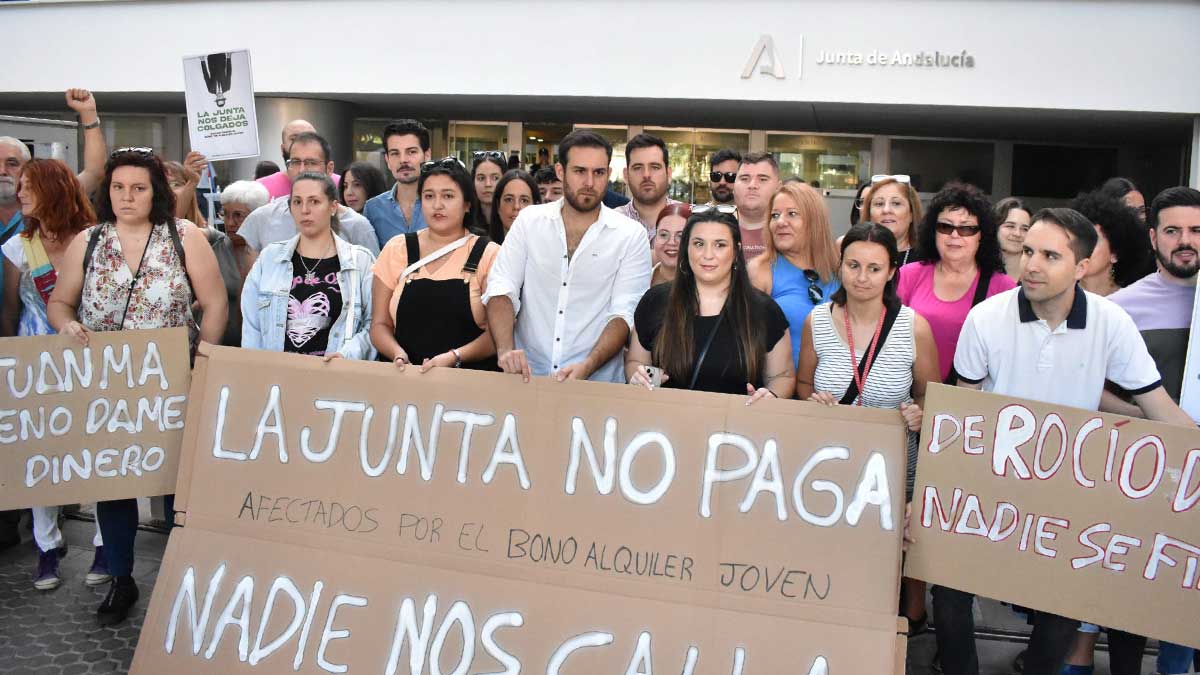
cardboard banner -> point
(219, 91)
(85, 424)
(346, 514)
(1083, 514)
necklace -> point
(861, 379)
(904, 262)
(310, 275)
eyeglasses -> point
(899, 178)
(144, 152)
(963, 231)
(726, 209)
(488, 154)
(313, 164)
(443, 163)
(716, 176)
(815, 293)
(665, 236)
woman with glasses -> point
(710, 329)
(487, 168)
(55, 209)
(238, 200)
(310, 294)
(140, 268)
(1013, 219)
(430, 283)
(514, 192)
(961, 266)
(664, 247)
(799, 266)
(892, 201)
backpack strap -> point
(476, 255)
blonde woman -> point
(799, 268)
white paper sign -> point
(1189, 397)
(219, 89)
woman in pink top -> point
(962, 266)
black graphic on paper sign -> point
(218, 75)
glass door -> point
(689, 150)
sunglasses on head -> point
(488, 154)
(815, 293)
(899, 178)
(716, 176)
(144, 152)
(727, 209)
(443, 163)
(964, 231)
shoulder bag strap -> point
(93, 239)
(443, 251)
(889, 320)
(178, 244)
(704, 350)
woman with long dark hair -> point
(140, 268)
(55, 209)
(514, 192)
(1013, 219)
(429, 284)
(487, 168)
(710, 329)
(360, 182)
(960, 266)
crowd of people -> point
(490, 267)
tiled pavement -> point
(55, 632)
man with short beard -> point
(398, 211)
(723, 167)
(648, 175)
(561, 295)
(1161, 304)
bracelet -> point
(93, 125)
(457, 358)
(772, 393)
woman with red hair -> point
(55, 210)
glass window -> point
(539, 136)
(135, 131)
(827, 162)
(468, 137)
(618, 137)
(932, 164)
(688, 151)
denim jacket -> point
(268, 287)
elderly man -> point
(278, 184)
(273, 222)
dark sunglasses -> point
(144, 152)
(729, 176)
(727, 209)
(964, 231)
(443, 163)
(815, 293)
(488, 154)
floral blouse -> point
(157, 297)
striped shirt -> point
(889, 383)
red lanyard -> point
(861, 380)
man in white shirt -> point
(273, 222)
(1048, 340)
(562, 292)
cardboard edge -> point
(901, 655)
(191, 429)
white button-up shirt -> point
(563, 304)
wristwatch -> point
(457, 358)
(93, 125)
